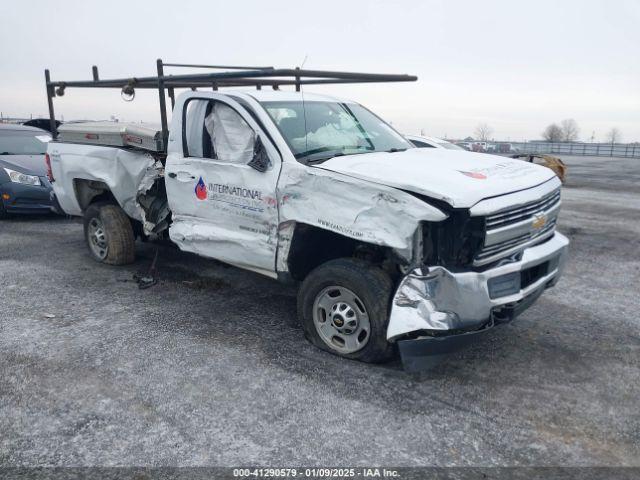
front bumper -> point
(26, 198)
(438, 311)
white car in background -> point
(431, 142)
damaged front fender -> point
(361, 210)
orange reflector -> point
(6, 196)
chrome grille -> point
(512, 230)
(518, 214)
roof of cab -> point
(290, 96)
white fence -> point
(595, 149)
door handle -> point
(181, 176)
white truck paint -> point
(460, 178)
(424, 212)
(121, 170)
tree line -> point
(565, 131)
(568, 131)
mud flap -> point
(425, 353)
(422, 354)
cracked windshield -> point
(317, 131)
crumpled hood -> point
(29, 164)
(459, 178)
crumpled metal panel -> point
(234, 247)
(152, 201)
(435, 299)
(121, 170)
(365, 211)
(431, 299)
(460, 178)
(285, 236)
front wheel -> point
(109, 234)
(344, 308)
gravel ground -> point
(210, 368)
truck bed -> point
(83, 170)
(146, 136)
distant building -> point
(15, 120)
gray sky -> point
(516, 65)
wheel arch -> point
(88, 192)
(303, 247)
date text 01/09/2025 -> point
(316, 472)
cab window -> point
(217, 131)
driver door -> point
(221, 179)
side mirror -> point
(260, 160)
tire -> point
(360, 286)
(109, 235)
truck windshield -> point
(16, 142)
(317, 131)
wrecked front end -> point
(442, 305)
(436, 311)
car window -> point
(195, 111)
(17, 142)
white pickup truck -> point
(393, 246)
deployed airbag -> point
(233, 139)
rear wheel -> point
(109, 234)
(344, 308)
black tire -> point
(370, 284)
(120, 241)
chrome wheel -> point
(97, 238)
(341, 319)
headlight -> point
(19, 177)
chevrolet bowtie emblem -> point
(539, 221)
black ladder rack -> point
(235, 76)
